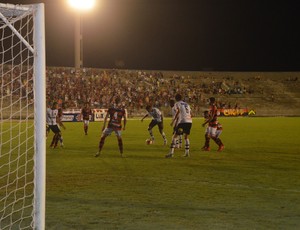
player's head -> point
(172, 102)
(148, 107)
(54, 105)
(212, 100)
(117, 100)
(178, 97)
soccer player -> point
(60, 124)
(52, 117)
(85, 114)
(207, 137)
(178, 142)
(157, 119)
(183, 113)
(115, 115)
(212, 122)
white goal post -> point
(22, 117)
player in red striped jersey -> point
(86, 112)
(212, 121)
(115, 114)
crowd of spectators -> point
(71, 88)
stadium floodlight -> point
(80, 6)
(22, 116)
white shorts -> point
(212, 131)
(108, 131)
(86, 122)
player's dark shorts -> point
(183, 128)
(159, 124)
(54, 128)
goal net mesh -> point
(16, 114)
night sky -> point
(220, 35)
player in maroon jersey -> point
(86, 112)
(212, 120)
(115, 115)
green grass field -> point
(253, 184)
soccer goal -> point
(22, 117)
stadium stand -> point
(269, 94)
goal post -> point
(22, 117)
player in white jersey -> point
(157, 119)
(52, 116)
(178, 142)
(183, 113)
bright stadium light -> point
(82, 4)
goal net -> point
(22, 117)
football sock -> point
(151, 134)
(207, 139)
(120, 143)
(172, 146)
(53, 140)
(57, 138)
(217, 140)
(187, 146)
(163, 135)
(176, 141)
(101, 143)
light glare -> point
(82, 4)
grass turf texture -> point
(253, 184)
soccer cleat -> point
(186, 155)
(205, 149)
(221, 147)
(97, 154)
(62, 145)
(170, 155)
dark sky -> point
(221, 35)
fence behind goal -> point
(22, 132)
